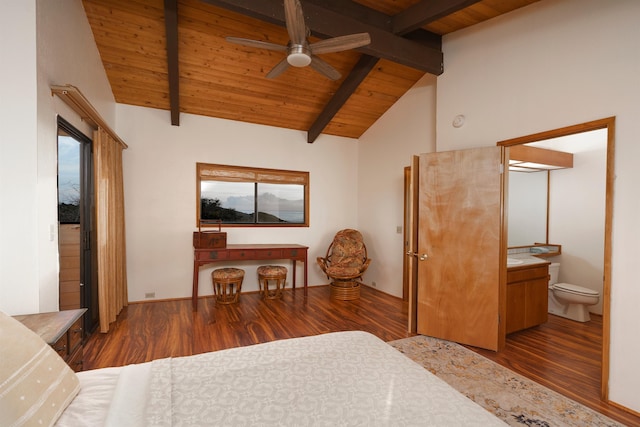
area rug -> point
(509, 396)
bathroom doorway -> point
(607, 125)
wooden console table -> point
(255, 252)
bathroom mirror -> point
(527, 219)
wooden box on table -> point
(210, 239)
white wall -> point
(407, 129)
(549, 65)
(160, 194)
(42, 43)
(353, 184)
(18, 158)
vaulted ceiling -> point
(173, 55)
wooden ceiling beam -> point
(356, 11)
(325, 23)
(403, 26)
(380, 20)
(171, 28)
(424, 12)
(349, 85)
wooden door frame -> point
(406, 285)
(608, 124)
(410, 239)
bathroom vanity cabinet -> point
(527, 296)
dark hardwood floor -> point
(149, 331)
(562, 355)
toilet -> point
(567, 300)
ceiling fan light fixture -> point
(298, 59)
(299, 52)
(299, 56)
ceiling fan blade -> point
(278, 69)
(337, 44)
(294, 18)
(258, 44)
(324, 68)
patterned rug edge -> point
(508, 395)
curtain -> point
(110, 229)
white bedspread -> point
(337, 379)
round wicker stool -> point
(272, 273)
(227, 283)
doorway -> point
(76, 219)
(607, 124)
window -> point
(68, 178)
(237, 195)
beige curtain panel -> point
(110, 228)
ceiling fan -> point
(300, 52)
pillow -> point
(36, 384)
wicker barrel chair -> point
(345, 263)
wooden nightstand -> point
(62, 330)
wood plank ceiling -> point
(172, 55)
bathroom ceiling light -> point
(534, 159)
(516, 165)
(519, 169)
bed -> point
(343, 378)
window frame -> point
(229, 173)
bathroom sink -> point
(514, 261)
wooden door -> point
(410, 261)
(461, 285)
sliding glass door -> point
(76, 219)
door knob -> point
(415, 254)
